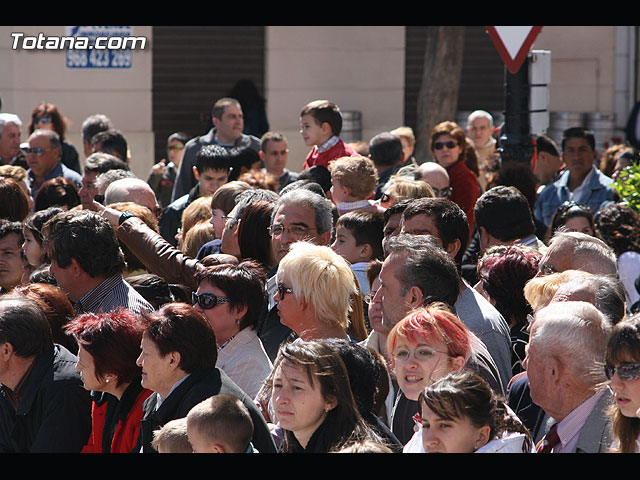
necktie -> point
(550, 440)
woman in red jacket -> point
(448, 144)
(108, 346)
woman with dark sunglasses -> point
(448, 145)
(622, 367)
(231, 297)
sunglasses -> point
(35, 150)
(627, 373)
(283, 290)
(45, 120)
(421, 354)
(450, 144)
(445, 192)
(207, 300)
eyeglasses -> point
(283, 290)
(385, 198)
(368, 298)
(450, 144)
(208, 300)
(295, 230)
(176, 147)
(35, 150)
(627, 373)
(45, 120)
(445, 192)
(421, 354)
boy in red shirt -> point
(320, 125)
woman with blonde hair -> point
(315, 288)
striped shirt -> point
(112, 293)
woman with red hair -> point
(108, 346)
(426, 345)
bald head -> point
(131, 190)
(434, 174)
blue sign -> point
(101, 47)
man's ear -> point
(453, 248)
(414, 297)
(195, 173)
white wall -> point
(359, 68)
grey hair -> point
(246, 197)
(9, 119)
(480, 114)
(590, 254)
(320, 205)
(110, 176)
(576, 333)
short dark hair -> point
(212, 157)
(317, 174)
(24, 325)
(243, 284)
(221, 104)
(426, 266)
(94, 124)
(111, 141)
(178, 327)
(579, 132)
(385, 149)
(325, 111)
(254, 240)
(448, 217)
(271, 137)
(547, 145)
(242, 157)
(398, 207)
(505, 213)
(35, 222)
(14, 201)
(8, 226)
(366, 227)
(100, 162)
(86, 237)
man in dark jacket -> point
(43, 404)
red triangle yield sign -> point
(513, 44)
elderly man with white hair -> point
(10, 153)
(565, 367)
(480, 129)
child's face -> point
(345, 246)
(211, 180)
(312, 132)
(339, 192)
(32, 249)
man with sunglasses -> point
(564, 364)
(436, 176)
(43, 159)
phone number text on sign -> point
(104, 47)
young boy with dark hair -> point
(320, 127)
(359, 240)
(212, 170)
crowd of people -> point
(368, 303)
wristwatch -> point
(124, 216)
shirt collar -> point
(328, 144)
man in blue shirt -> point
(580, 182)
(43, 158)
